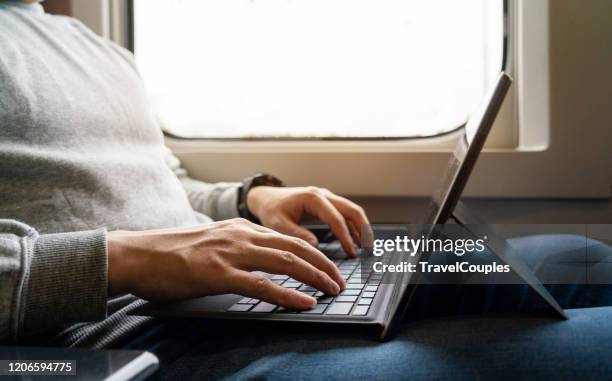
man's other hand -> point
(217, 258)
(281, 209)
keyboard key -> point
(318, 309)
(354, 286)
(278, 281)
(368, 294)
(305, 287)
(309, 293)
(292, 284)
(318, 293)
(371, 288)
(333, 246)
(346, 298)
(264, 307)
(240, 307)
(349, 291)
(361, 310)
(245, 301)
(339, 309)
(283, 310)
(325, 299)
(365, 302)
(280, 277)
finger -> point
(285, 262)
(319, 206)
(287, 226)
(259, 287)
(303, 250)
(352, 212)
(367, 236)
(354, 232)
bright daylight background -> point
(317, 68)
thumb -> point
(291, 228)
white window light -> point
(317, 68)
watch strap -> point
(250, 183)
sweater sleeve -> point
(219, 201)
(47, 281)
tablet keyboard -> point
(355, 300)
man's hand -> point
(282, 208)
(217, 258)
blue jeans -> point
(451, 332)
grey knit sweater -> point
(80, 154)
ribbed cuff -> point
(67, 280)
(228, 202)
(218, 201)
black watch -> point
(250, 183)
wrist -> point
(255, 198)
(117, 259)
(257, 181)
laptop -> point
(370, 301)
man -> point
(93, 203)
(96, 210)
